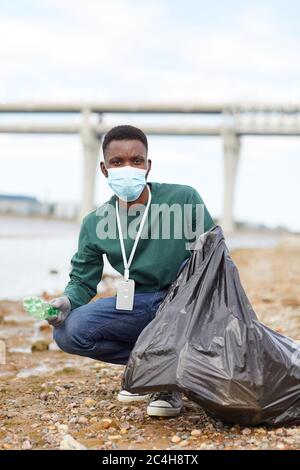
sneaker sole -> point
(165, 412)
(128, 399)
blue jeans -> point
(99, 331)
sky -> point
(165, 51)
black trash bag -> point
(207, 342)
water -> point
(251, 240)
(26, 265)
(35, 254)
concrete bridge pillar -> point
(231, 145)
(90, 146)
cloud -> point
(114, 50)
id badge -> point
(125, 294)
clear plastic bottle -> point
(38, 308)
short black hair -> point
(124, 132)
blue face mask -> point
(127, 182)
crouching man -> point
(150, 249)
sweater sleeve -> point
(86, 271)
(206, 222)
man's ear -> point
(103, 169)
(149, 164)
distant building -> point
(28, 205)
(64, 209)
(22, 205)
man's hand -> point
(64, 306)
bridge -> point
(235, 121)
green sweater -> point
(157, 258)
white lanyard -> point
(127, 264)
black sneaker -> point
(165, 404)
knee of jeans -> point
(72, 336)
(59, 337)
(63, 340)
